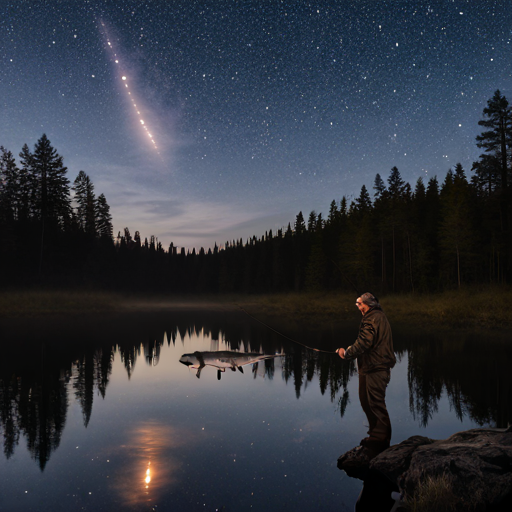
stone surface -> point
(478, 462)
(355, 462)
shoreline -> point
(460, 309)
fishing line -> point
(284, 335)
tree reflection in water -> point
(34, 404)
(475, 375)
(35, 370)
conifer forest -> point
(436, 234)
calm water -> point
(100, 414)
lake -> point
(214, 410)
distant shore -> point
(471, 308)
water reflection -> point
(34, 406)
(152, 351)
(39, 373)
(477, 380)
(149, 468)
(91, 371)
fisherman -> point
(375, 358)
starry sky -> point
(208, 121)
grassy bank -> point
(487, 308)
(36, 303)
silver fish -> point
(222, 360)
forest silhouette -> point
(430, 237)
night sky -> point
(252, 110)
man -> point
(375, 358)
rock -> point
(396, 459)
(356, 462)
(478, 464)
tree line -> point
(49, 228)
(433, 236)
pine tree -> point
(494, 169)
(300, 226)
(104, 219)
(497, 141)
(356, 241)
(86, 209)
(52, 195)
(396, 184)
(343, 207)
(379, 187)
(128, 236)
(363, 203)
(27, 185)
(417, 237)
(300, 251)
(457, 232)
(488, 173)
(9, 189)
(395, 217)
(312, 221)
(319, 223)
(333, 213)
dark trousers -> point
(372, 395)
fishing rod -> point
(298, 342)
(284, 335)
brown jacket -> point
(374, 345)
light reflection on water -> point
(149, 469)
(134, 428)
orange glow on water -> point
(147, 480)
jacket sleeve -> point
(364, 341)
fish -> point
(223, 360)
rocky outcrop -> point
(478, 464)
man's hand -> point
(341, 352)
